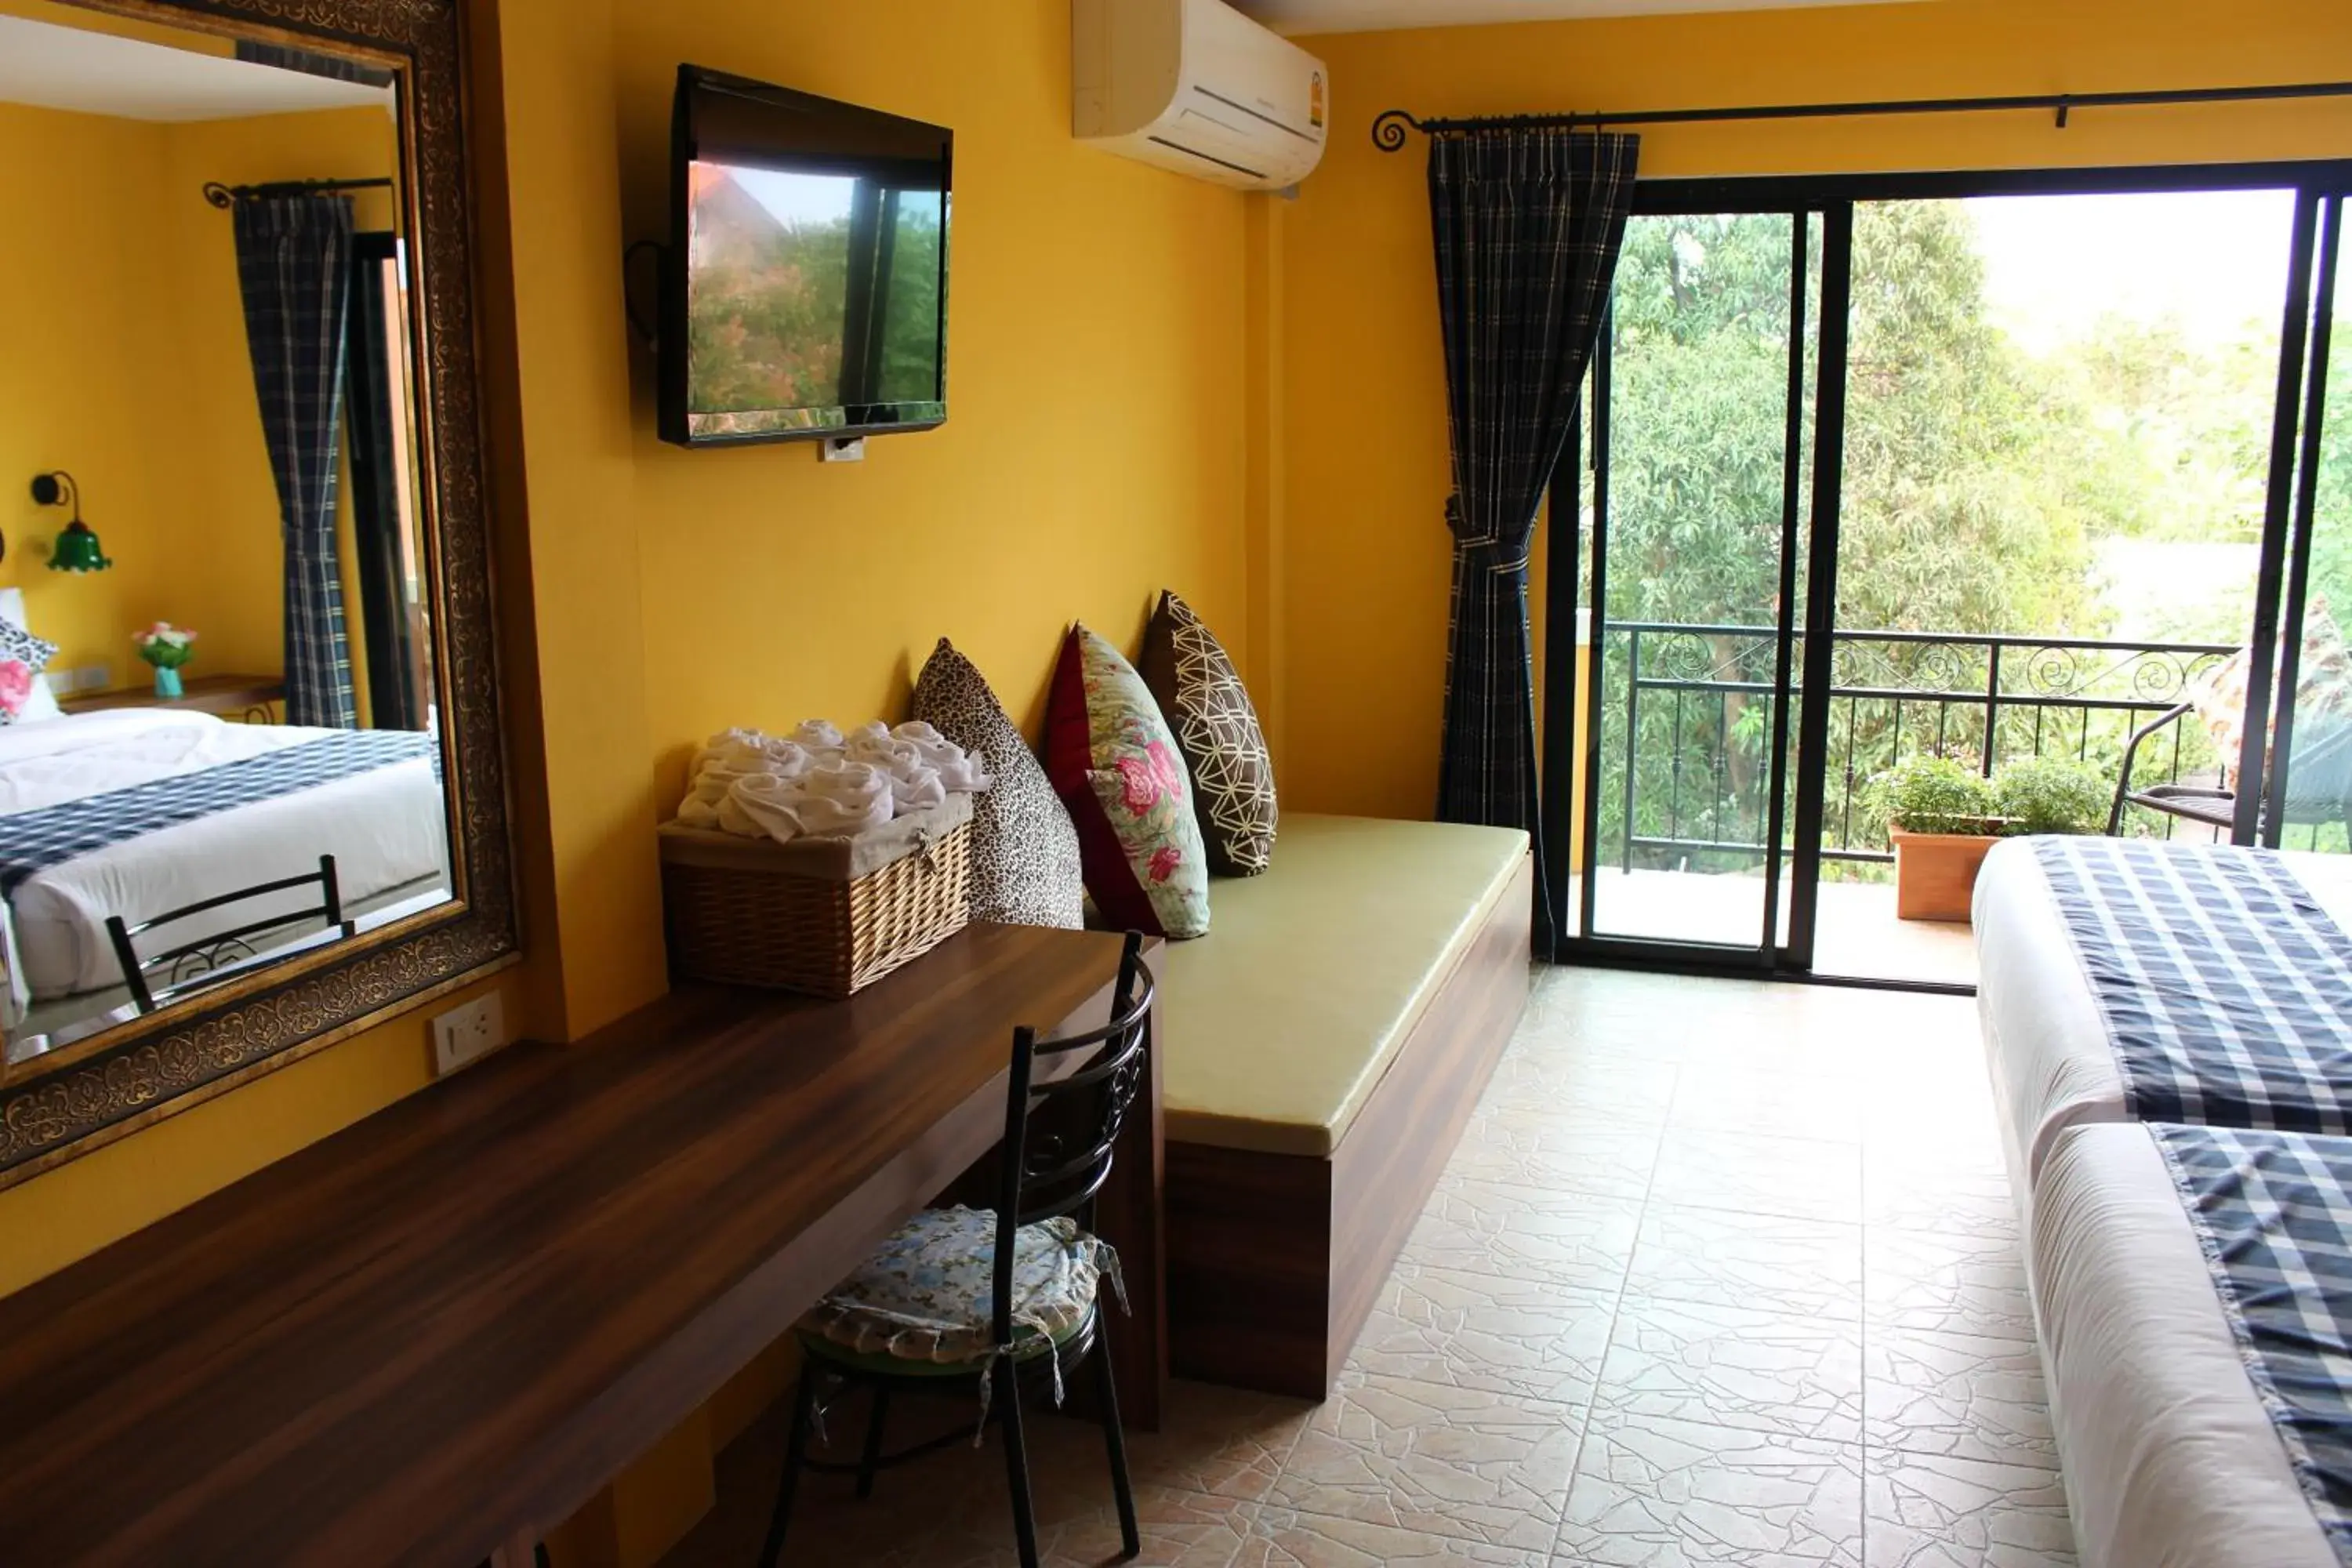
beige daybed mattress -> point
(2045, 1043)
(1278, 1025)
(2170, 1461)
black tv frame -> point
(860, 420)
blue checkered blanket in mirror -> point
(33, 841)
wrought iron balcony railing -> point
(1685, 776)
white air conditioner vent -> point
(1196, 86)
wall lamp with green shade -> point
(76, 549)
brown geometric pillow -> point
(1216, 729)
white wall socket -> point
(463, 1035)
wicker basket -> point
(824, 916)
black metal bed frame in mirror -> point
(366, 788)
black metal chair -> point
(2318, 783)
(1059, 1139)
(210, 960)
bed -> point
(2171, 1456)
(2053, 1059)
(139, 811)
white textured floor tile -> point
(1959, 1394)
(1565, 1238)
(1950, 1283)
(1796, 1266)
(1574, 1152)
(1485, 1466)
(1932, 1512)
(1284, 1538)
(1784, 1104)
(1733, 1366)
(1796, 1178)
(1654, 1493)
(1527, 1337)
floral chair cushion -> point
(923, 1297)
(1116, 765)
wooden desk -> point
(447, 1327)
(227, 694)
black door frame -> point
(2320, 184)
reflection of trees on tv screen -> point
(770, 304)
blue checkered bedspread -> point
(33, 841)
(2273, 1211)
(2226, 989)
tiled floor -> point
(1722, 1273)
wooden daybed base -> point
(1275, 1256)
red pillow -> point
(1112, 760)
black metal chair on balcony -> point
(2318, 778)
(960, 1302)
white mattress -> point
(2046, 1042)
(2170, 1461)
(386, 828)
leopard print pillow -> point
(1025, 852)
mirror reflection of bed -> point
(206, 422)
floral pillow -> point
(1117, 768)
(22, 655)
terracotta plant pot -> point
(1936, 873)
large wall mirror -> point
(250, 791)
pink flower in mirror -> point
(15, 686)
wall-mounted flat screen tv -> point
(805, 293)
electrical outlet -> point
(463, 1035)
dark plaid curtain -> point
(293, 263)
(1528, 223)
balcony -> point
(1684, 768)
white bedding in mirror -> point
(386, 828)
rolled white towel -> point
(818, 735)
(727, 743)
(919, 734)
(919, 792)
(770, 802)
(697, 812)
(842, 799)
(732, 818)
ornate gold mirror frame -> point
(73, 1100)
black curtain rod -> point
(226, 196)
(1390, 125)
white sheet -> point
(386, 828)
(2046, 1042)
(2170, 1461)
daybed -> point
(1322, 1049)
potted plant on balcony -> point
(1942, 815)
(1941, 820)
(2049, 795)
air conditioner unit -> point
(1196, 86)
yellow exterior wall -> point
(128, 368)
(1364, 609)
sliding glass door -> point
(1691, 505)
(1989, 468)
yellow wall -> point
(128, 368)
(1096, 449)
(1364, 432)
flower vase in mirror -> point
(167, 650)
(277, 822)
